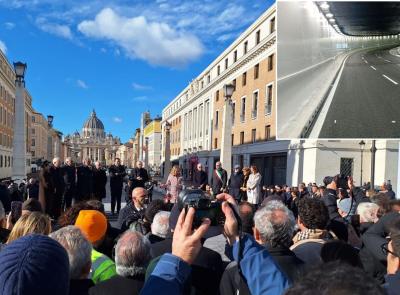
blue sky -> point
(120, 57)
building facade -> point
(92, 143)
(125, 154)
(7, 102)
(152, 135)
(196, 119)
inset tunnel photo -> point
(338, 73)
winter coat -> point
(254, 188)
(99, 183)
(235, 183)
(218, 184)
(174, 184)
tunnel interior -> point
(363, 18)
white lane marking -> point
(391, 80)
(366, 62)
(334, 122)
(373, 68)
(324, 111)
(393, 122)
(387, 60)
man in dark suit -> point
(139, 175)
(117, 174)
(84, 175)
(235, 183)
(219, 179)
(132, 255)
(55, 200)
(100, 181)
(69, 173)
(200, 179)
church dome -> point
(93, 127)
(93, 122)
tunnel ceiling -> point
(367, 18)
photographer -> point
(257, 266)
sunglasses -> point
(385, 250)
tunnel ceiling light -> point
(332, 20)
(329, 15)
(324, 5)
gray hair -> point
(132, 254)
(79, 249)
(160, 225)
(367, 211)
(276, 224)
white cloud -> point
(3, 47)
(140, 98)
(103, 50)
(117, 120)
(82, 84)
(154, 42)
(138, 86)
(53, 28)
(9, 25)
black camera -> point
(341, 181)
(204, 206)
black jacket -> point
(200, 179)
(330, 199)
(58, 180)
(129, 214)
(5, 197)
(80, 287)
(84, 175)
(119, 285)
(69, 173)
(117, 174)
(99, 181)
(235, 183)
(219, 183)
(286, 260)
(139, 172)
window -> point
(217, 95)
(33, 130)
(268, 132)
(33, 153)
(202, 84)
(270, 62)
(242, 137)
(255, 105)
(272, 25)
(218, 70)
(235, 56)
(346, 166)
(245, 45)
(208, 79)
(268, 100)
(244, 78)
(256, 71)
(1, 160)
(258, 37)
(234, 83)
(226, 63)
(232, 139)
(216, 119)
(243, 109)
(215, 143)
(33, 142)
(33, 119)
(253, 135)
(207, 115)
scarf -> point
(311, 234)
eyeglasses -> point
(385, 250)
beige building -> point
(92, 143)
(125, 154)
(152, 135)
(196, 114)
(7, 99)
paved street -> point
(366, 102)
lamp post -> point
(19, 139)
(167, 161)
(50, 119)
(146, 152)
(362, 146)
(373, 152)
(226, 143)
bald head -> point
(139, 195)
(56, 162)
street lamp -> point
(167, 162)
(50, 119)
(362, 146)
(373, 152)
(20, 68)
(146, 162)
(226, 142)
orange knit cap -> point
(92, 223)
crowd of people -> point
(333, 238)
